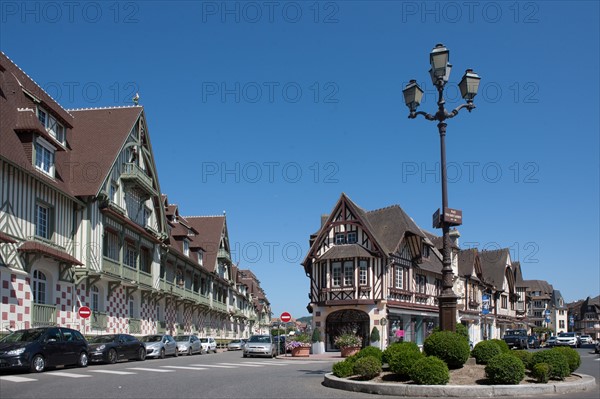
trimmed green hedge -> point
(367, 367)
(401, 362)
(505, 369)
(430, 371)
(448, 346)
(572, 356)
(525, 358)
(343, 369)
(485, 350)
(503, 345)
(370, 351)
(559, 365)
(398, 347)
(541, 372)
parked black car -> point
(38, 348)
(533, 342)
(114, 347)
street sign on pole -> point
(285, 317)
(84, 312)
(485, 304)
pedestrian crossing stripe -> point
(241, 364)
(185, 367)
(213, 365)
(70, 375)
(267, 363)
(146, 369)
(112, 372)
(16, 378)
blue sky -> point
(270, 110)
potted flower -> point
(318, 346)
(299, 346)
(349, 343)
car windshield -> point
(235, 341)
(102, 339)
(151, 338)
(264, 339)
(24, 335)
(204, 340)
(570, 335)
(181, 338)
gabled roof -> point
(97, 140)
(210, 229)
(542, 286)
(493, 266)
(390, 225)
(466, 262)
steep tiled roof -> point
(539, 285)
(466, 261)
(209, 230)
(98, 137)
(345, 251)
(493, 266)
(390, 225)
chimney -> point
(324, 219)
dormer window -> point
(186, 247)
(44, 156)
(425, 251)
(53, 127)
(200, 257)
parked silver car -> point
(159, 346)
(259, 345)
(188, 344)
(236, 345)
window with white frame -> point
(399, 277)
(504, 302)
(439, 286)
(340, 238)
(53, 127)
(363, 267)
(352, 237)
(145, 260)
(200, 256)
(336, 274)
(186, 247)
(421, 283)
(39, 287)
(44, 157)
(43, 215)
(130, 257)
(95, 298)
(114, 192)
(110, 247)
(348, 273)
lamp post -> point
(440, 73)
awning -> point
(47, 250)
(6, 239)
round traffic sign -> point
(84, 312)
(285, 317)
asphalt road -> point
(221, 375)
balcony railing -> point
(134, 174)
(161, 327)
(43, 315)
(135, 326)
(99, 321)
(224, 254)
(219, 306)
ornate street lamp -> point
(447, 217)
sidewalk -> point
(323, 356)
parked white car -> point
(568, 339)
(208, 344)
(586, 339)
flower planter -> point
(301, 351)
(350, 350)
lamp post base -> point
(447, 306)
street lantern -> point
(438, 59)
(469, 85)
(412, 95)
(440, 74)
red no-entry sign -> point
(84, 312)
(285, 317)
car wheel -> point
(215, 350)
(38, 364)
(189, 352)
(141, 354)
(162, 353)
(112, 356)
(176, 352)
(83, 359)
(244, 355)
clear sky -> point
(270, 110)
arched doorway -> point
(344, 320)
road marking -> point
(112, 372)
(61, 374)
(241, 364)
(185, 367)
(268, 363)
(15, 378)
(213, 365)
(155, 370)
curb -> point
(587, 383)
(311, 358)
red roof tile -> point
(209, 230)
(38, 247)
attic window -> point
(53, 127)
(44, 157)
(425, 251)
(340, 238)
(186, 247)
(352, 237)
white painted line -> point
(61, 374)
(213, 365)
(268, 363)
(112, 372)
(154, 370)
(15, 378)
(241, 364)
(185, 367)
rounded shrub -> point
(525, 358)
(503, 345)
(559, 365)
(343, 369)
(401, 362)
(398, 347)
(448, 346)
(572, 357)
(370, 351)
(463, 331)
(430, 371)
(367, 367)
(505, 369)
(541, 372)
(485, 350)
